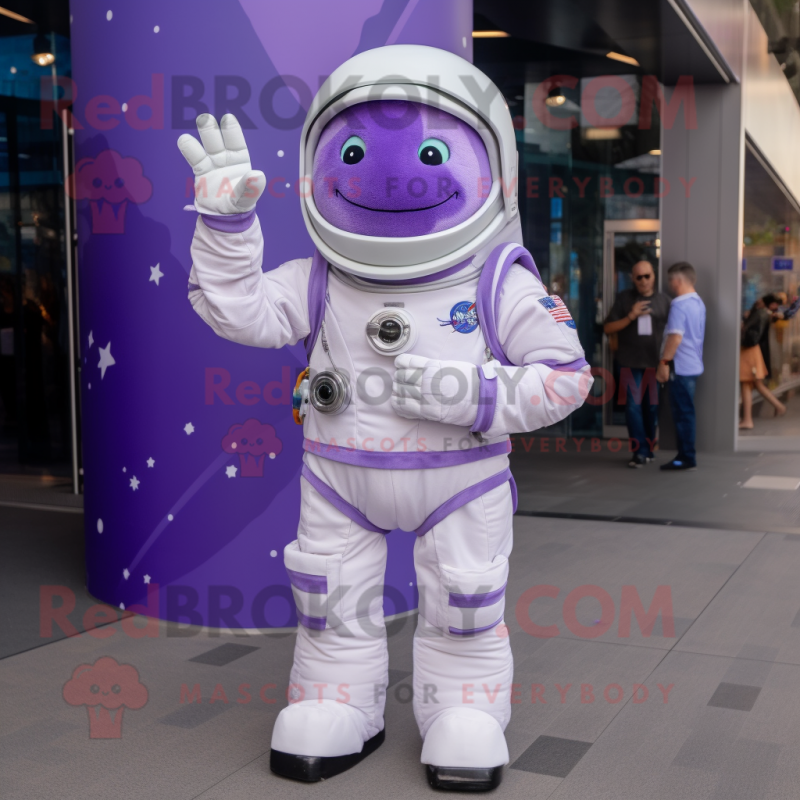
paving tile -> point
(773, 482)
(757, 607)
(684, 567)
(397, 675)
(550, 549)
(686, 749)
(194, 714)
(735, 696)
(224, 654)
(551, 755)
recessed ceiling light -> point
(624, 59)
(601, 134)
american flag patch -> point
(557, 310)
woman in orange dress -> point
(752, 367)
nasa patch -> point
(557, 310)
(463, 317)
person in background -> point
(638, 317)
(682, 360)
(752, 364)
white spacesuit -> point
(431, 350)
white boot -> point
(319, 728)
(465, 737)
(317, 739)
(464, 750)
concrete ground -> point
(715, 713)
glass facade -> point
(34, 364)
(589, 155)
(771, 264)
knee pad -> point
(469, 601)
(316, 581)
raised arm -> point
(227, 287)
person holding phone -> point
(637, 319)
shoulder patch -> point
(557, 310)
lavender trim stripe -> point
(313, 623)
(230, 223)
(313, 584)
(477, 600)
(472, 631)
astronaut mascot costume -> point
(430, 339)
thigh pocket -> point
(315, 583)
(475, 599)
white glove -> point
(224, 182)
(441, 391)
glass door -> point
(625, 242)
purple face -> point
(397, 168)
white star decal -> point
(230, 471)
(106, 360)
(135, 483)
(147, 579)
(156, 274)
(151, 462)
(125, 573)
(189, 428)
(91, 339)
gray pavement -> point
(716, 713)
(600, 485)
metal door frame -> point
(611, 227)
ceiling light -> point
(489, 34)
(43, 54)
(624, 59)
(555, 97)
(601, 134)
(18, 17)
(655, 152)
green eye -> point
(353, 150)
(433, 152)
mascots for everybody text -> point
(430, 339)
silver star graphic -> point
(230, 471)
(125, 573)
(147, 579)
(135, 483)
(156, 274)
(106, 360)
(189, 428)
(91, 339)
(151, 462)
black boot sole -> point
(311, 769)
(464, 779)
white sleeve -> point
(553, 379)
(240, 302)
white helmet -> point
(436, 78)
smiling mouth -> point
(397, 210)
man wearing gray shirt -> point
(638, 318)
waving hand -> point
(224, 181)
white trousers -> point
(462, 654)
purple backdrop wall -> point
(166, 505)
